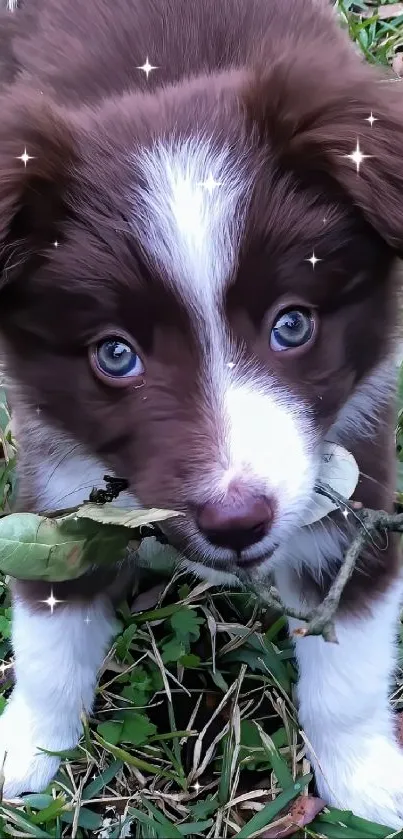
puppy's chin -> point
(212, 575)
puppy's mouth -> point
(246, 564)
(196, 550)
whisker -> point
(62, 460)
(61, 498)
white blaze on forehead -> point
(188, 218)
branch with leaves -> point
(64, 545)
(371, 523)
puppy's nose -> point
(236, 524)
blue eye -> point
(114, 358)
(292, 329)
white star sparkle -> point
(346, 513)
(357, 156)
(87, 620)
(196, 786)
(56, 244)
(371, 119)
(38, 410)
(147, 67)
(210, 183)
(25, 157)
(51, 601)
(313, 259)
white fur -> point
(345, 711)
(360, 415)
(269, 438)
(190, 230)
(67, 470)
(57, 657)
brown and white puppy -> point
(162, 318)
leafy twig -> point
(320, 621)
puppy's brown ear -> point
(36, 160)
(325, 111)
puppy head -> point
(196, 284)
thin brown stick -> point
(320, 621)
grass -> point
(195, 730)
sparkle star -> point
(345, 513)
(147, 67)
(38, 410)
(51, 601)
(313, 259)
(210, 183)
(87, 620)
(196, 786)
(25, 157)
(357, 156)
(371, 119)
(56, 244)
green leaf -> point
(132, 519)
(280, 768)
(131, 760)
(86, 819)
(140, 688)
(159, 830)
(49, 813)
(111, 731)
(124, 641)
(194, 828)
(252, 754)
(261, 655)
(67, 754)
(186, 625)
(97, 785)
(204, 808)
(23, 822)
(172, 651)
(33, 547)
(336, 831)
(5, 627)
(37, 800)
(329, 824)
(169, 829)
(63, 548)
(137, 728)
(271, 810)
(190, 660)
(156, 558)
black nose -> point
(236, 524)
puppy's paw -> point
(23, 733)
(367, 780)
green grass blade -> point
(271, 810)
